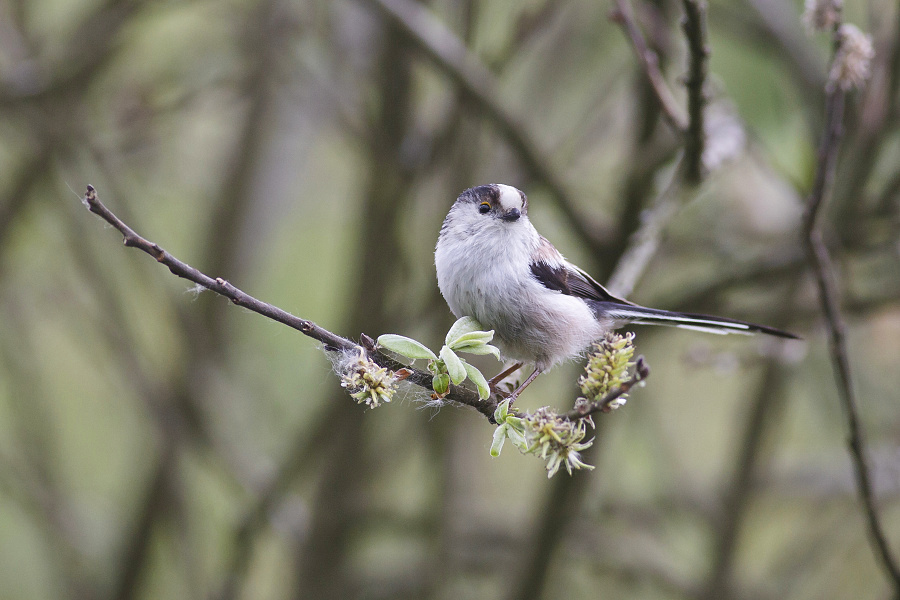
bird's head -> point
(490, 206)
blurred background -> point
(157, 442)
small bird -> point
(493, 265)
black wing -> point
(572, 281)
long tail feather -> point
(705, 323)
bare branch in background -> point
(672, 112)
(823, 269)
(690, 125)
(473, 77)
(644, 243)
(694, 25)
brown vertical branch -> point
(150, 512)
(823, 269)
(694, 25)
(691, 125)
(651, 151)
(561, 505)
(323, 565)
(645, 234)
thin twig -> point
(671, 111)
(820, 260)
(694, 26)
(331, 340)
(641, 372)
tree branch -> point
(820, 260)
(670, 108)
(473, 78)
(694, 26)
(644, 243)
(458, 394)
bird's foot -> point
(496, 391)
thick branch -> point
(218, 285)
(823, 270)
(694, 25)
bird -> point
(494, 266)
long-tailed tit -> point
(493, 265)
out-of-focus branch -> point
(694, 25)
(823, 269)
(671, 111)
(150, 512)
(299, 460)
(82, 61)
(449, 53)
(691, 125)
(13, 201)
(644, 243)
(738, 495)
(331, 340)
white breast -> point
(483, 269)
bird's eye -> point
(484, 207)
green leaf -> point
(454, 365)
(482, 337)
(502, 412)
(441, 384)
(499, 438)
(405, 346)
(478, 348)
(461, 327)
(516, 437)
(478, 379)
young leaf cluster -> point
(367, 382)
(559, 439)
(608, 367)
(544, 433)
(446, 367)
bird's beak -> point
(511, 215)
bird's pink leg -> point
(492, 383)
(515, 394)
